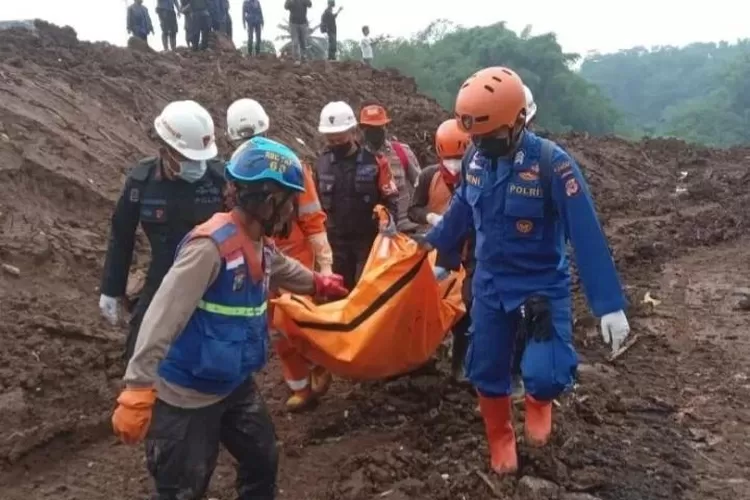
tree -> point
(443, 55)
(317, 46)
(266, 47)
(697, 93)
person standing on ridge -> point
(217, 14)
(530, 108)
(139, 21)
(351, 181)
(188, 24)
(373, 122)
(328, 26)
(365, 44)
(168, 10)
(252, 20)
(167, 195)
(200, 23)
(525, 197)
(298, 27)
(432, 195)
(189, 387)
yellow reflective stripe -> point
(247, 312)
(308, 208)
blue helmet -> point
(260, 160)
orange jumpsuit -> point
(308, 243)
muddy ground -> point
(669, 419)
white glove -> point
(615, 329)
(109, 308)
(433, 219)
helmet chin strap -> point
(252, 202)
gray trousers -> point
(299, 41)
(182, 446)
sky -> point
(581, 25)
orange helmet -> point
(489, 99)
(450, 140)
(374, 115)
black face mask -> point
(375, 137)
(497, 147)
(341, 151)
(250, 202)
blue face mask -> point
(191, 170)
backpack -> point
(398, 148)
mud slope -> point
(668, 420)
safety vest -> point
(310, 219)
(226, 338)
(348, 193)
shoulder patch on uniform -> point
(143, 169)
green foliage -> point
(317, 46)
(697, 93)
(443, 55)
(266, 47)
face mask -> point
(191, 170)
(494, 147)
(452, 166)
(375, 137)
(341, 151)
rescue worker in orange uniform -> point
(304, 238)
(432, 195)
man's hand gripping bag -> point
(391, 323)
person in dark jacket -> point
(188, 22)
(227, 28)
(328, 26)
(298, 27)
(168, 10)
(252, 20)
(216, 11)
(139, 21)
(200, 23)
(351, 181)
(167, 195)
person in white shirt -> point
(366, 45)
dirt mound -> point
(73, 119)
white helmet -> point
(336, 117)
(187, 127)
(530, 104)
(246, 118)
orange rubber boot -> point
(320, 381)
(538, 425)
(498, 423)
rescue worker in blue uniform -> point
(167, 195)
(139, 21)
(525, 197)
(189, 386)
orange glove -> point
(329, 287)
(132, 416)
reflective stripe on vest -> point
(235, 311)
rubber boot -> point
(498, 424)
(173, 41)
(320, 381)
(164, 38)
(300, 400)
(538, 425)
